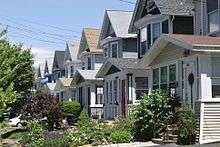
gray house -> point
(151, 18)
(115, 40)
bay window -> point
(143, 39)
(150, 33)
(213, 15)
(156, 31)
(114, 49)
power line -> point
(41, 24)
(30, 31)
(42, 32)
(37, 39)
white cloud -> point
(41, 55)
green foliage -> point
(7, 98)
(72, 110)
(59, 142)
(34, 136)
(126, 123)
(84, 120)
(186, 125)
(152, 115)
(119, 136)
(16, 73)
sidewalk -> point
(135, 144)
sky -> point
(45, 25)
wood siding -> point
(211, 121)
(169, 53)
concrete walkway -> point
(135, 144)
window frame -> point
(99, 95)
(89, 63)
(218, 18)
(111, 48)
(142, 89)
(150, 42)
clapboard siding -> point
(211, 121)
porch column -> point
(150, 81)
(205, 75)
(130, 83)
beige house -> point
(64, 90)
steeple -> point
(46, 70)
(39, 73)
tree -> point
(16, 69)
(43, 105)
(16, 73)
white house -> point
(124, 83)
(90, 88)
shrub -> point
(126, 123)
(119, 136)
(152, 115)
(43, 105)
(72, 110)
(34, 136)
(58, 142)
(186, 126)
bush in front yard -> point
(121, 136)
(152, 115)
(186, 125)
(72, 110)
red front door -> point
(123, 98)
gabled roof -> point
(186, 42)
(89, 41)
(87, 74)
(72, 48)
(119, 21)
(63, 83)
(51, 86)
(58, 62)
(119, 65)
(166, 7)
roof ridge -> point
(118, 10)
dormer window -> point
(213, 15)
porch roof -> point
(119, 64)
(86, 75)
(187, 42)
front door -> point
(189, 82)
(123, 98)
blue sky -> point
(67, 14)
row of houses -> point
(171, 45)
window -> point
(66, 72)
(110, 92)
(89, 63)
(156, 78)
(172, 73)
(163, 78)
(165, 27)
(213, 15)
(83, 65)
(116, 90)
(99, 96)
(149, 36)
(141, 86)
(155, 31)
(71, 71)
(107, 91)
(114, 48)
(143, 39)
